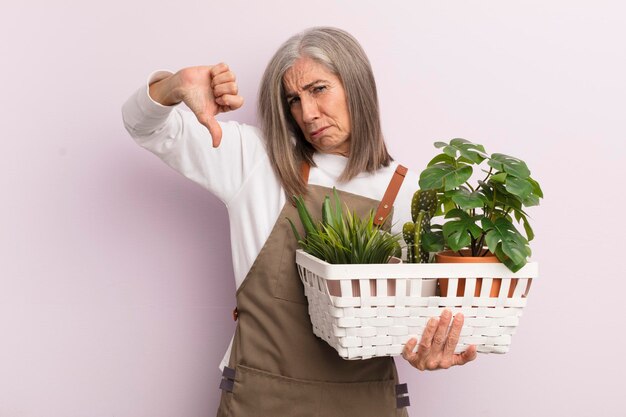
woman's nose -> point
(310, 109)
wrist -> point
(163, 92)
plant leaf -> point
(464, 160)
(508, 262)
(510, 165)
(458, 233)
(450, 151)
(327, 214)
(442, 157)
(499, 177)
(295, 231)
(504, 199)
(441, 175)
(518, 187)
(469, 151)
(521, 218)
(466, 199)
(504, 239)
(305, 216)
(531, 200)
(536, 188)
(433, 241)
(338, 215)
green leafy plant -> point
(485, 213)
(343, 238)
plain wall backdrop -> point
(116, 284)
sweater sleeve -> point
(176, 136)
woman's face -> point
(318, 104)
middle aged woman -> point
(320, 127)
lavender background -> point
(116, 283)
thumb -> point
(467, 356)
(214, 129)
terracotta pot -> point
(454, 257)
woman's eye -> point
(319, 88)
(293, 101)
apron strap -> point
(385, 206)
(304, 171)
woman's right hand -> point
(206, 90)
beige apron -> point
(278, 367)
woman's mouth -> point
(318, 132)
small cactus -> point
(408, 234)
(423, 207)
(424, 201)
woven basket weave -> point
(365, 311)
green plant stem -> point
(473, 247)
(481, 242)
(486, 178)
(494, 206)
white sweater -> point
(239, 173)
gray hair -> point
(286, 145)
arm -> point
(207, 91)
(182, 139)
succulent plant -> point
(423, 207)
(344, 238)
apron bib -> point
(278, 367)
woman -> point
(318, 109)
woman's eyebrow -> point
(290, 94)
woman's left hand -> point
(436, 348)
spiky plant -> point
(343, 238)
(415, 233)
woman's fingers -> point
(428, 335)
(437, 345)
(225, 88)
(465, 357)
(213, 126)
(229, 102)
(439, 339)
(218, 69)
(454, 335)
(420, 359)
(407, 351)
(221, 78)
(216, 132)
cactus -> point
(423, 207)
(408, 234)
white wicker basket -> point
(364, 311)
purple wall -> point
(116, 285)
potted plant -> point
(344, 238)
(480, 219)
